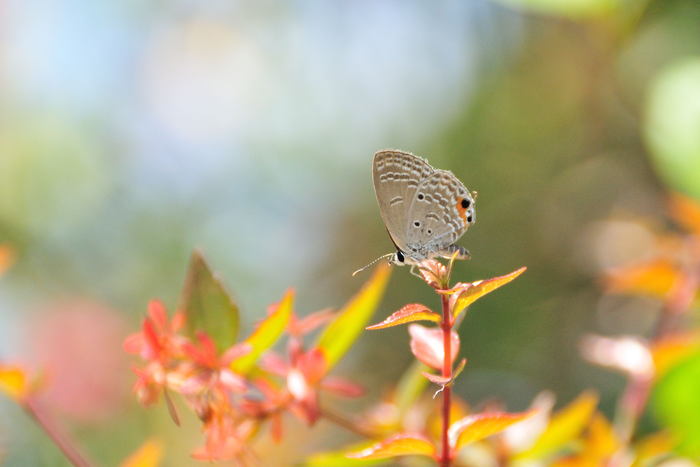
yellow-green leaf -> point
(471, 292)
(477, 427)
(408, 314)
(340, 458)
(266, 334)
(13, 382)
(410, 386)
(397, 445)
(575, 9)
(564, 427)
(340, 334)
(207, 305)
(150, 454)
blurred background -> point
(131, 132)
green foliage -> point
(570, 8)
(676, 403)
(338, 336)
(673, 125)
(266, 334)
(207, 305)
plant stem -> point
(59, 439)
(446, 325)
(345, 422)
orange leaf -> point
(602, 442)
(403, 444)
(652, 446)
(468, 293)
(13, 382)
(6, 257)
(408, 314)
(686, 211)
(565, 426)
(656, 278)
(575, 461)
(458, 410)
(476, 427)
(149, 454)
(670, 350)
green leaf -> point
(672, 122)
(411, 386)
(207, 305)
(339, 335)
(569, 8)
(676, 403)
(266, 334)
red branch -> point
(445, 459)
(60, 439)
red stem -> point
(445, 458)
(63, 443)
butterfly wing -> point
(441, 211)
(396, 176)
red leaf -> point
(434, 273)
(312, 365)
(303, 326)
(407, 314)
(427, 345)
(403, 444)
(342, 387)
(437, 379)
(444, 380)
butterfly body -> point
(425, 210)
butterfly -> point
(425, 210)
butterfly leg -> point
(462, 253)
(414, 272)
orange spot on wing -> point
(462, 211)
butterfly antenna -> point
(388, 255)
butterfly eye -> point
(399, 257)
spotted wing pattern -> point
(396, 176)
(441, 211)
